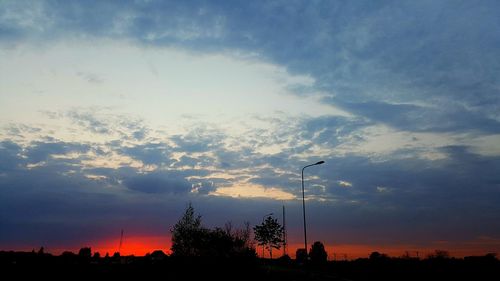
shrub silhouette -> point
(301, 255)
(317, 253)
(377, 256)
(158, 255)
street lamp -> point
(270, 214)
(304, 203)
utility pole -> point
(284, 232)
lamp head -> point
(320, 162)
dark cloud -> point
(462, 182)
(416, 118)
(42, 151)
(268, 177)
(403, 199)
(201, 162)
(99, 120)
(330, 130)
(149, 153)
(134, 128)
(158, 182)
(9, 156)
(196, 141)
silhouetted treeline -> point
(377, 267)
(191, 239)
(383, 267)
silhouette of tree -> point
(317, 253)
(85, 252)
(188, 234)
(243, 236)
(269, 234)
(191, 239)
(377, 256)
(158, 255)
(439, 254)
(301, 255)
(284, 260)
(67, 254)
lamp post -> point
(270, 214)
(304, 204)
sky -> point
(116, 114)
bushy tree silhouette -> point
(377, 256)
(269, 234)
(188, 234)
(301, 255)
(85, 253)
(191, 239)
(317, 253)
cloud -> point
(390, 62)
(88, 120)
(416, 118)
(450, 198)
(149, 153)
(18, 130)
(43, 151)
(204, 187)
(330, 130)
(9, 156)
(196, 141)
(158, 183)
(344, 183)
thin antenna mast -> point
(121, 242)
(284, 232)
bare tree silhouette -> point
(269, 234)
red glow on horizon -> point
(134, 245)
(140, 245)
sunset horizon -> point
(143, 245)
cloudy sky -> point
(115, 114)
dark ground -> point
(21, 265)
